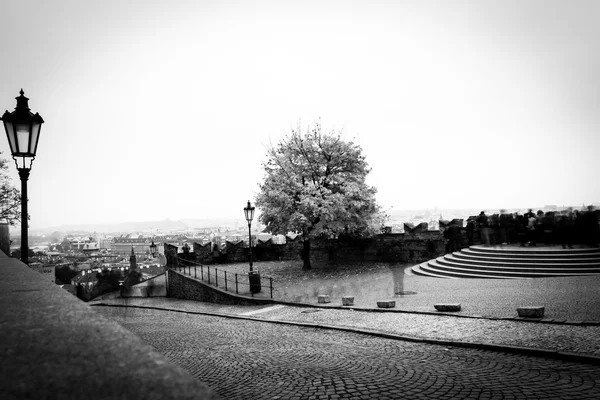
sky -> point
(164, 109)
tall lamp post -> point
(153, 249)
(249, 212)
(23, 131)
(253, 276)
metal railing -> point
(230, 281)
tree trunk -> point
(306, 255)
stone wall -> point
(58, 339)
(417, 244)
(235, 252)
(153, 287)
(184, 287)
(203, 252)
(267, 251)
(171, 255)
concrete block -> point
(447, 306)
(386, 304)
(324, 298)
(531, 312)
(348, 300)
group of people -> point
(567, 228)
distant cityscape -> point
(120, 238)
(76, 256)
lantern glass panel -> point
(22, 137)
(9, 127)
(35, 135)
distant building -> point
(125, 243)
(141, 244)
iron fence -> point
(240, 283)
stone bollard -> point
(324, 298)
(386, 304)
(348, 300)
(531, 312)
(447, 306)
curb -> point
(447, 314)
(531, 351)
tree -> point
(314, 185)
(10, 198)
(65, 273)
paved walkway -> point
(245, 359)
(488, 308)
(511, 335)
(313, 351)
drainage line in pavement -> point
(531, 351)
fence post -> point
(202, 272)
(208, 272)
(216, 277)
(236, 286)
(196, 272)
(225, 280)
(271, 283)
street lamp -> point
(249, 212)
(153, 249)
(23, 131)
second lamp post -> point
(249, 213)
(253, 276)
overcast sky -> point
(162, 109)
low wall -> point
(185, 287)
(57, 340)
(417, 244)
(153, 287)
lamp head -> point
(23, 131)
(249, 212)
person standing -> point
(591, 229)
(455, 237)
(470, 230)
(566, 228)
(484, 228)
(504, 224)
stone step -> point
(456, 258)
(438, 273)
(545, 251)
(532, 259)
(502, 273)
(417, 270)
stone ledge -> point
(447, 306)
(531, 312)
(63, 340)
(386, 304)
(323, 298)
(348, 300)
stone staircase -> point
(512, 262)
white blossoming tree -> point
(314, 185)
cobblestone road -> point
(242, 359)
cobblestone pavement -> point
(245, 359)
(557, 337)
(565, 298)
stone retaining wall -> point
(417, 244)
(183, 287)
